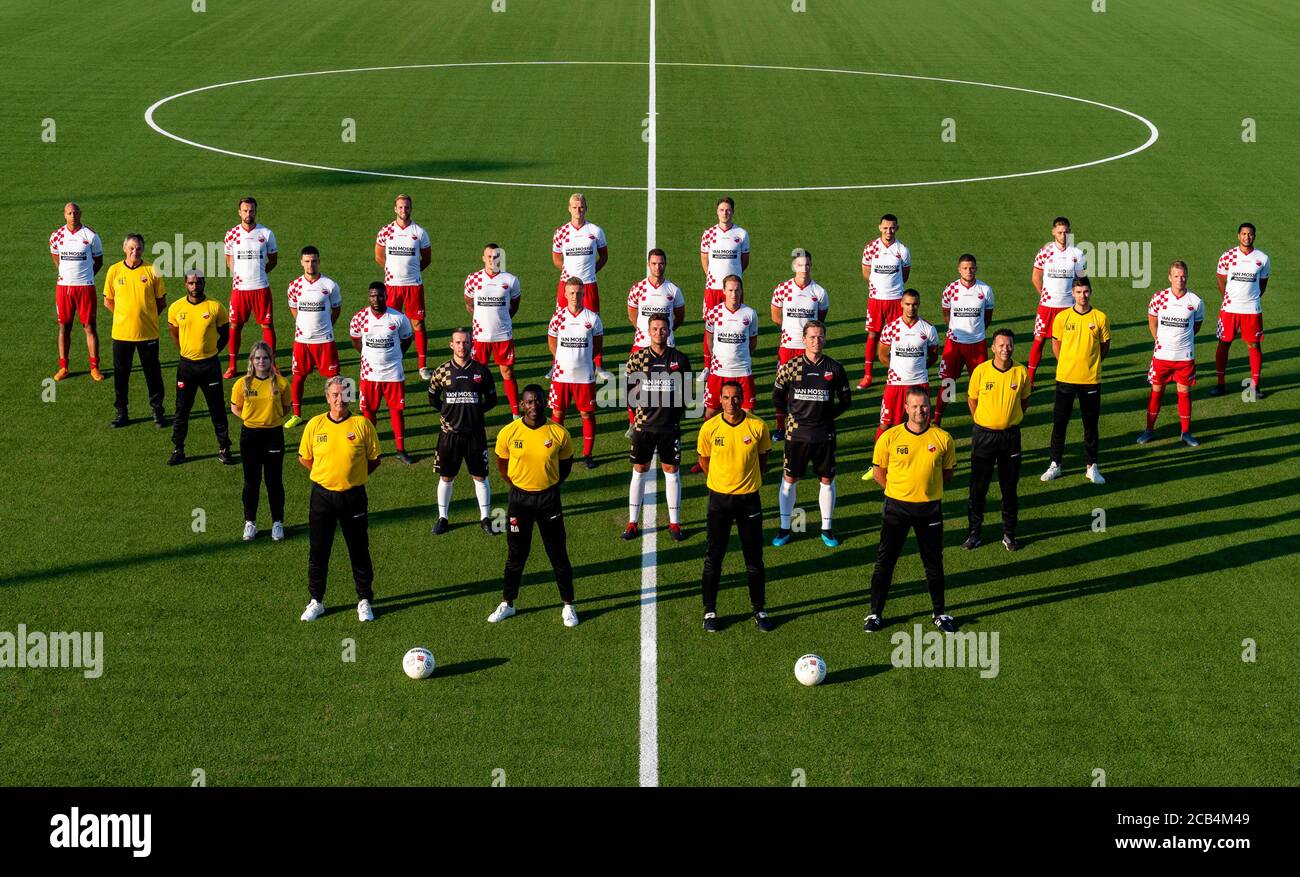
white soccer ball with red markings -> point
(810, 670)
(418, 663)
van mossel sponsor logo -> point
(932, 648)
(57, 649)
(77, 830)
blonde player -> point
(251, 255)
(403, 250)
(886, 265)
(1173, 318)
(578, 249)
(78, 255)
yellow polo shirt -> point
(339, 451)
(733, 453)
(998, 394)
(261, 407)
(198, 326)
(914, 463)
(1081, 337)
(134, 293)
(534, 455)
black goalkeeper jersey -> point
(657, 388)
(811, 396)
(462, 395)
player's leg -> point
(636, 491)
(273, 474)
(825, 469)
(1062, 408)
(265, 317)
(252, 451)
(421, 346)
(1008, 461)
(795, 463)
(186, 388)
(476, 462)
(214, 395)
(929, 539)
(550, 523)
(717, 534)
(588, 436)
(673, 494)
(395, 396)
(1225, 332)
(86, 303)
(982, 457)
(508, 382)
(370, 399)
(521, 514)
(355, 523)
(1090, 411)
(749, 523)
(301, 367)
(1255, 351)
(869, 360)
(558, 401)
(1157, 378)
(153, 379)
(64, 341)
(239, 314)
(950, 367)
(893, 531)
(123, 360)
(445, 484)
(322, 520)
(63, 315)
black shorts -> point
(799, 454)
(644, 445)
(455, 448)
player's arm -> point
(514, 300)
(753, 344)
(632, 315)
(704, 463)
(503, 469)
(762, 460)
(708, 336)
(223, 335)
(931, 356)
(1220, 277)
(230, 263)
(488, 398)
(272, 259)
(843, 396)
(306, 462)
(1036, 277)
(1056, 347)
(880, 473)
(426, 257)
(947, 476)
(176, 335)
(97, 262)
(1105, 349)
(775, 311)
(379, 255)
(435, 392)
(602, 256)
(947, 318)
(108, 297)
(907, 272)
(1151, 324)
(406, 342)
(972, 396)
(883, 352)
(988, 319)
(469, 306)
(704, 262)
(866, 274)
(779, 392)
(557, 259)
(1196, 328)
(597, 345)
(54, 257)
(1263, 285)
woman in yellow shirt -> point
(260, 399)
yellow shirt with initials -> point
(339, 450)
(534, 455)
(914, 463)
(733, 453)
(198, 326)
(998, 394)
(1081, 337)
(134, 293)
(263, 404)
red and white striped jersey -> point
(402, 248)
(248, 249)
(887, 264)
(1176, 319)
(966, 306)
(1241, 294)
(798, 305)
(724, 247)
(76, 251)
(649, 300)
(579, 247)
(1059, 266)
(491, 295)
(909, 346)
(729, 356)
(381, 347)
(574, 336)
(313, 302)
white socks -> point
(786, 501)
(635, 494)
(826, 499)
(673, 491)
(444, 497)
(483, 492)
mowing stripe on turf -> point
(649, 773)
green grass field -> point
(1120, 650)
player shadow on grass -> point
(432, 168)
(461, 668)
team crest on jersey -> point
(476, 378)
(735, 240)
(989, 386)
(931, 448)
(588, 325)
(1092, 326)
(746, 321)
(749, 439)
(548, 443)
(672, 367)
(352, 436)
(180, 385)
(207, 316)
(827, 376)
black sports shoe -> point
(159, 419)
(177, 457)
(711, 623)
(972, 541)
(763, 622)
(945, 623)
(405, 458)
(1009, 542)
(441, 527)
(486, 524)
(589, 463)
(225, 457)
(872, 624)
(1218, 390)
(120, 420)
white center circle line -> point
(1153, 132)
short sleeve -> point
(1223, 265)
(270, 242)
(356, 325)
(932, 338)
(880, 455)
(598, 327)
(1263, 269)
(972, 389)
(634, 296)
(503, 444)
(1153, 305)
(1105, 328)
(945, 301)
(336, 297)
(1081, 264)
(237, 393)
(223, 316)
(704, 242)
(679, 300)
(514, 287)
(988, 300)
(744, 243)
(906, 259)
(557, 320)
(703, 440)
(1058, 322)
(159, 285)
(1200, 312)
(1040, 258)
(425, 244)
(566, 445)
(764, 438)
(949, 454)
(557, 245)
(752, 329)
(372, 441)
(406, 330)
(171, 316)
(229, 245)
(96, 245)
(380, 237)
(600, 238)
(308, 438)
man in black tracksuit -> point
(200, 328)
(462, 391)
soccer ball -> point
(810, 670)
(418, 663)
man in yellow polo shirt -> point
(733, 449)
(200, 328)
(998, 397)
(912, 461)
(134, 292)
(340, 449)
(534, 456)
(1080, 340)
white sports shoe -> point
(1093, 474)
(277, 531)
(570, 615)
(1053, 472)
(426, 373)
(501, 613)
(701, 376)
(364, 612)
(250, 531)
(315, 609)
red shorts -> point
(590, 296)
(881, 312)
(892, 410)
(713, 297)
(373, 392)
(1043, 320)
(250, 304)
(1250, 327)
(957, 354)
(713, 391)
(785, 354)
(1163, 371)
(322, 357)
(79, 300)
(581, 396)
(502, 352)
(408, 299)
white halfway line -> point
(649, 761)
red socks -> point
(396, 418)
(1035, 356)
(870, 355)
(512, 395)
(234, 345)
(1221, 362)
(588, 435)
(1185, 411)
(1256, 361)
(1153, 407)
(296, 384)
(421, 346)
(63, 362)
